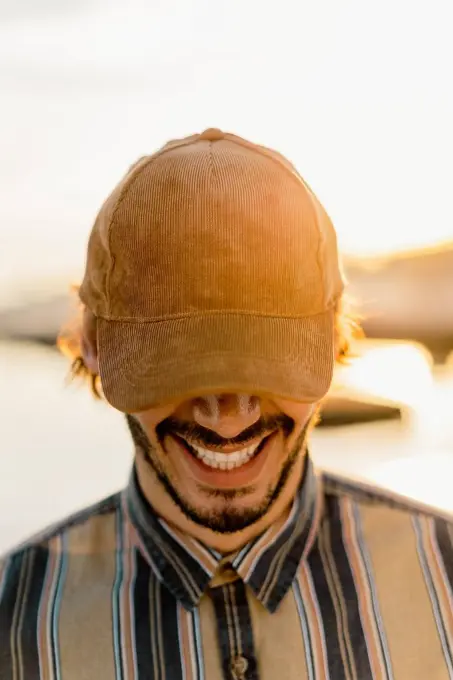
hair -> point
(69, 342)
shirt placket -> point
(234, 631)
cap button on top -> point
(212, 134)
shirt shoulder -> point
(69, 567)
(367, 494)
(85, 531)
(395, 526)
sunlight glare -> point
(399, 372)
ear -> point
(89, 345)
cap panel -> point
(214, 226)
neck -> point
(166, 508)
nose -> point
(227, 414)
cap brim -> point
(143, 364)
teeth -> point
(224, 461)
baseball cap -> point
(212, 267)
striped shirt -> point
(355, 584)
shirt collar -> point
(268, 564)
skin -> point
(223, 508)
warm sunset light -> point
(398, 372)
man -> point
(212, 318)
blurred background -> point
(358, 95)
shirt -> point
(355, 584)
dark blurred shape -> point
(407, 296)
(339, 411)
(38, 321)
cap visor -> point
(143, 364)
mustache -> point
(199, 434)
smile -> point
(224, 461)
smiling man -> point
(212, 319)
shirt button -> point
(239, 667)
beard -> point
(230, 518)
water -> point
(61, 450)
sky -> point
(358, 94)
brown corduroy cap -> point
(212, 267)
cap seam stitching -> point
(214, 312)
(134, 175)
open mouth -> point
(218, 460)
